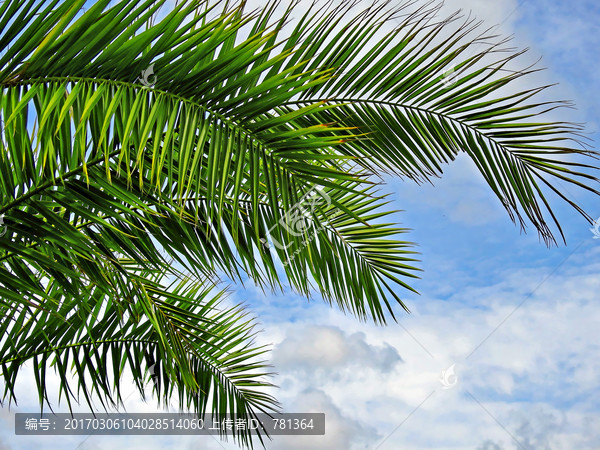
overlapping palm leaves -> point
(108, 182)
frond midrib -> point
(31, 82)
(21, 358)
(439, 114)
(224, 118)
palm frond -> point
(133, 148)
(398, 90)
(180, 340)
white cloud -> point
(329, 348)
(461, 195)
(341, 432)
(494, 13)
(536, 374)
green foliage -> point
(132, 146)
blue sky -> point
(518, 321)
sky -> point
(502, 346)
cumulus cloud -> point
(537, 426)
(534, 378)
(564, 34)
(461, 195)
(341, 431)
(489, 445)
(326, 347)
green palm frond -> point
(220, 141)
(180, 340)
(398, 88)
